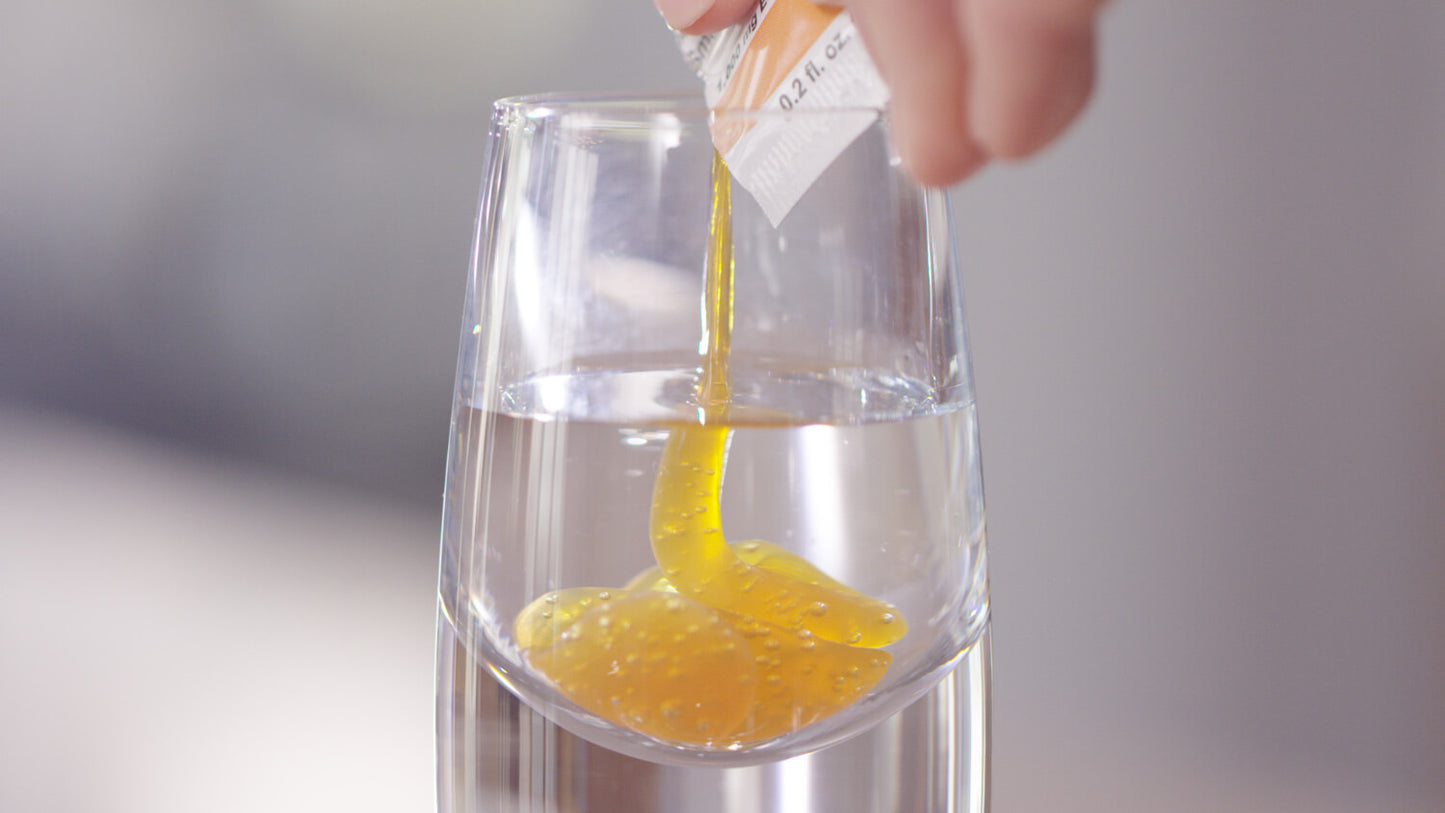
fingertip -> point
(930, 128)
(703, 16)
(1015, 120)
(939, 164)
(931, 135)
(1033, 74)
(920, 56)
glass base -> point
(497, 755)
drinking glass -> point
(714, 528)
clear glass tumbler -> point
(714, 527)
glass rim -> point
(644, 105)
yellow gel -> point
(539, 623)
(688, 542)
(686, 529)
(765, 555)
(802, 680)
(657, 663)
(679, 670)
(719, 644)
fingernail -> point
(681, 14)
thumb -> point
(703, 16)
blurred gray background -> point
(1208, 326)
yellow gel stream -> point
(688, 542)
(719, 644)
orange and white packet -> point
(789, 55)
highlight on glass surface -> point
(713, 485)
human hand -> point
(971, 80)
